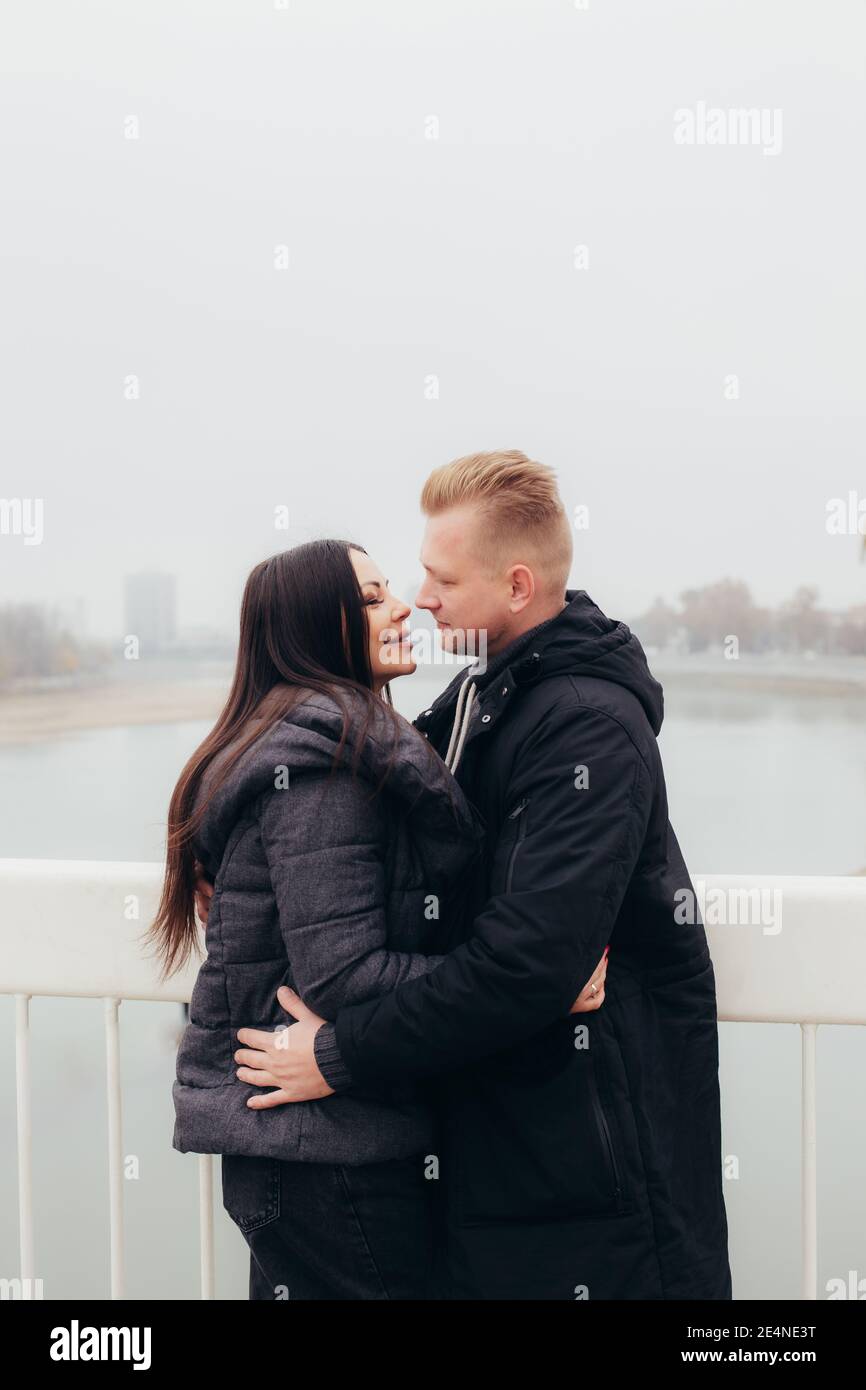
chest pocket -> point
(509, 842)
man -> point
(581, 1153)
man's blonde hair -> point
(520, 510)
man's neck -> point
(528, 622)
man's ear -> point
(522, 587)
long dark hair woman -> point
(326, 822)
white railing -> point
(74, 928)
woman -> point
(340, 881)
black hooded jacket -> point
(581, 1152)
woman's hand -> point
(592, 995)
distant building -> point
(201, 640)
(150, 609)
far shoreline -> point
(38, 713)
(46, 714)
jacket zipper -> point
(604, 1131)
(512, 815)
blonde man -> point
(581, 1152)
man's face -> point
(463, 599)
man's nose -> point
(425, 600)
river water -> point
(756, 783)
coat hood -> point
(581, 641)
(306, 740)
(584, 642)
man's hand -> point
(203, 893)
(592, 995)
(283, 1058)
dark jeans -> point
(329, 1231)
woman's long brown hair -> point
(303, 628)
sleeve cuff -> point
(328, 1059)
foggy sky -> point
(411, 257)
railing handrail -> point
(74, 927)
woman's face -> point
(390, 649)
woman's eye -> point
(369, 601)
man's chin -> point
(453, 640)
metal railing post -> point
(809, 1170)
(23, 1098)
(115, 1145)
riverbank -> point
(37, 715)
(756, 683)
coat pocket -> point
(537, 1148)
(251, 1190)
(512, 833)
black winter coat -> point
(582, 1153)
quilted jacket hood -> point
(306, 740)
